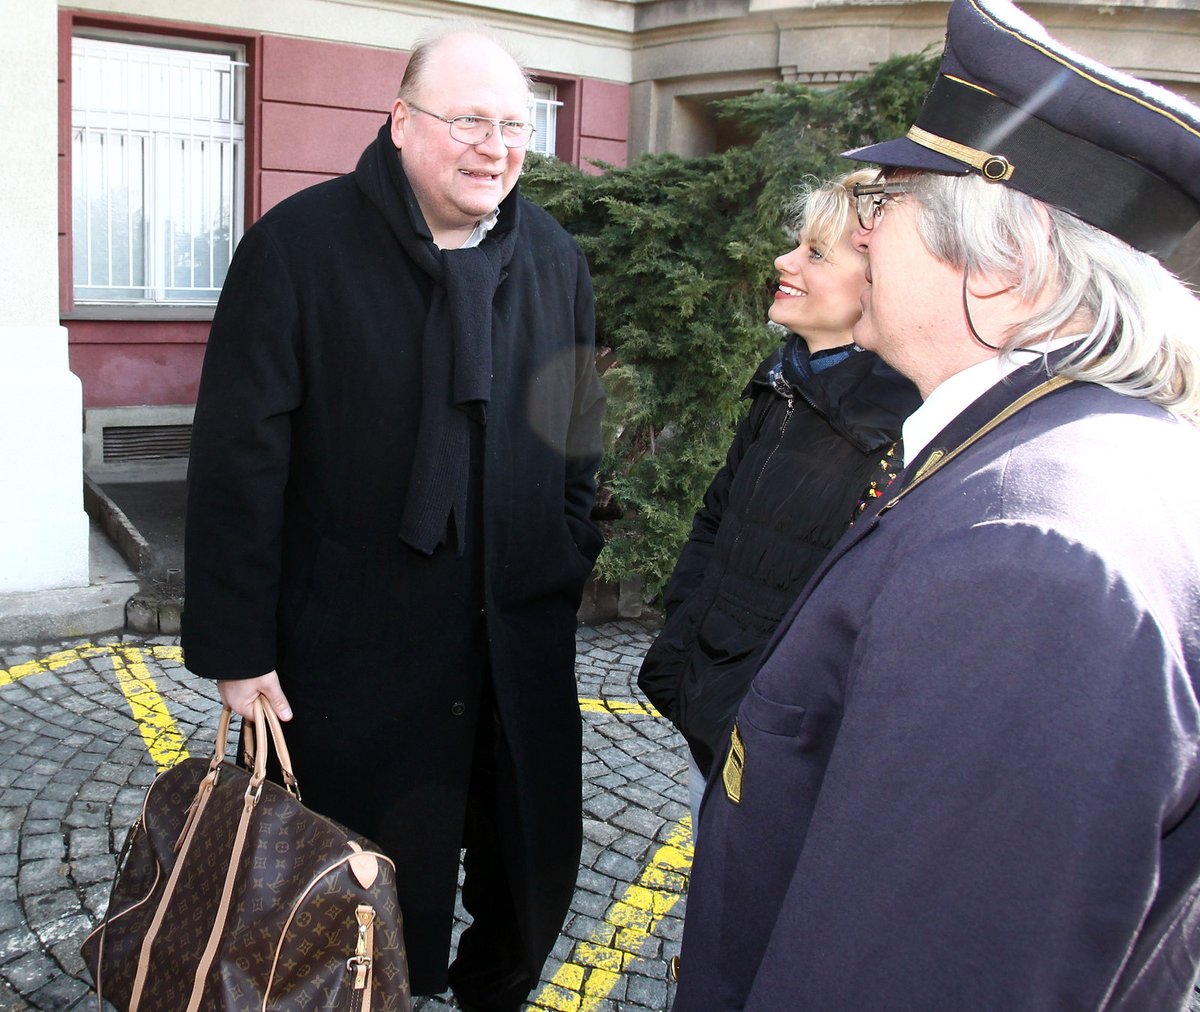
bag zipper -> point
(361, 963)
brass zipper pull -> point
(360, 962)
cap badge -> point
(995, 168)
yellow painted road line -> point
(54, 662)
(594, 967)
(162, 736)
(167, 652)
(65, 658)
(162, 652)
(159, 731)
(618, 707)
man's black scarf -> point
(456, 350)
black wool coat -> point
(793, 474)
(302, 447)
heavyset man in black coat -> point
(392, 474)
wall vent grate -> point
(146, 442)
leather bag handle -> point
(254, 753)
(222, 737)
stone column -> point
(43, 527)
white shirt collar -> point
(954, 395)
(482, 227)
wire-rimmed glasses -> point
(471, 129)
(869, 200)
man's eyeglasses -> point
(869, 199)
(514, 133)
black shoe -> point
(471, 1004)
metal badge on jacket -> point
(735, 766)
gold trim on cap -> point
(995, 168)
(970, 84)
(1063, 60)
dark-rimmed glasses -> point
(869, 199)
(470, 129)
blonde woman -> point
(823, 417)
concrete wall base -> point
(604, 601)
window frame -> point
(173, 34)
(545, 139)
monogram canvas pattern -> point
(291, 925)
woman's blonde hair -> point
(824, 208)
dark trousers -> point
(490, 971)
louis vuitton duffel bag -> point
(231, 895)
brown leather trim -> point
(364, 867)
(104, 927)
(254, 742)
(369, 985)
(281, 749)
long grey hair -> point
(1141, 323)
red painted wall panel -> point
(277, 186)
(566, 141)
(604, 110)
(330, 74)
(299, 138)
(123, 362)
(612, 152)
(117, 375)
(603, 124)
(66, 291)
(138, 331)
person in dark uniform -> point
(388, 527)
(823, 419)
(967, 772)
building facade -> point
(152, 132)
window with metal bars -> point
(158, 139)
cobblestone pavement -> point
(85, 727)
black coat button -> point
(458, 709)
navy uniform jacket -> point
(972, 752)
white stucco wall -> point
(43, 528)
